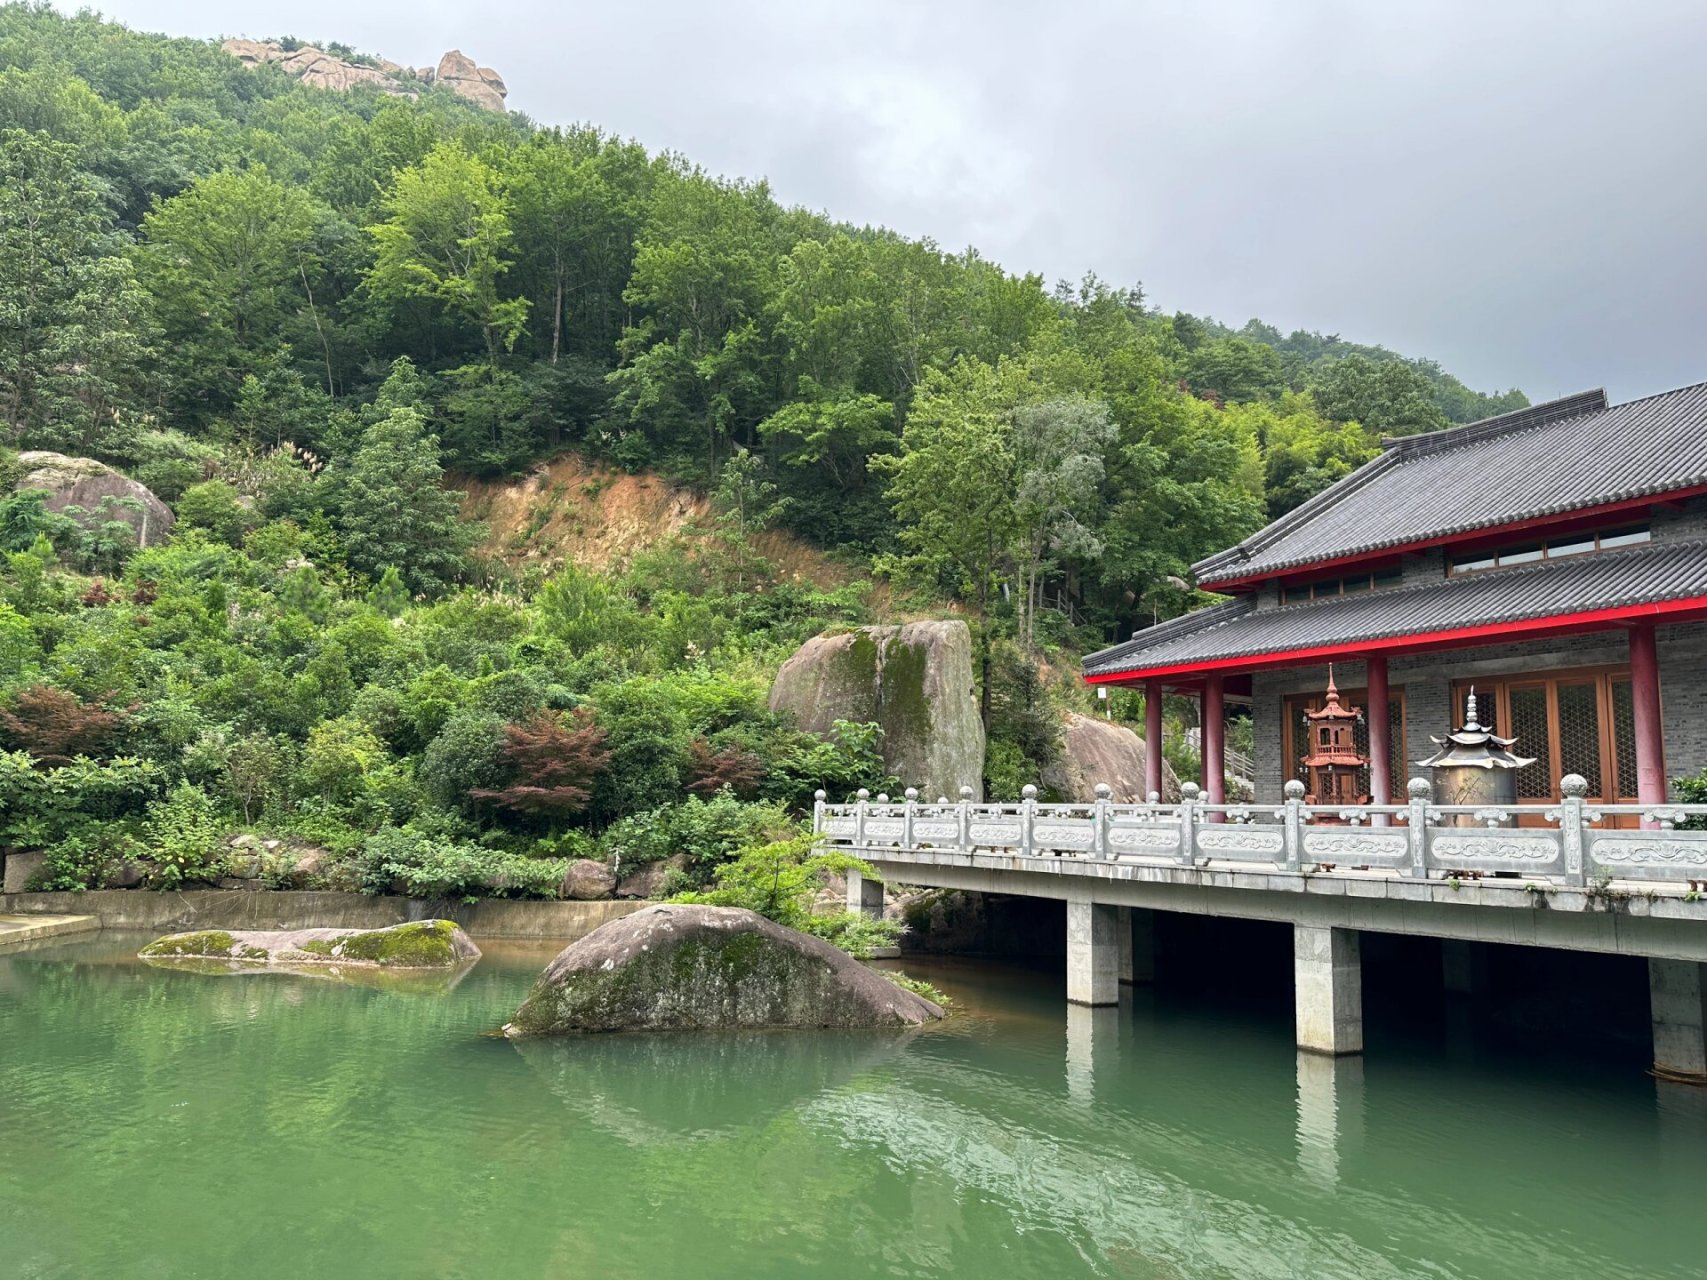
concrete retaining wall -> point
(276, 909)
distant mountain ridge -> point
(341, 69)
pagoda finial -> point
(1470, 710)
(1333, 690)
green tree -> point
(1388, 397)
(444, 241)
(72, 328)
(227, 263)
(1058, 447)
(395, 512)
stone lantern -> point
(1474, 766)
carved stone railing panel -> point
(998, 835)
(1241, 843)
(1073, 835)
(1649, 855)
(1143, 840)
(1360, 847)
(1494, 850)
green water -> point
(160, 1124)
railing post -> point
(1419, 790)
(1103, 793)
(966, 820)
(1573, 827)
(1188, 824)
(862, 797)
(818, 798)
(1027, 815)
(1293, 817)
(912, 797)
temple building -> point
(1554, 558)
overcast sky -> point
(1514, 189)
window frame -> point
(1491, 560)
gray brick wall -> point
(1427, 681)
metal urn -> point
(1474, 766)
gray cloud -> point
(1512, 188)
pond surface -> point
(175, 1125)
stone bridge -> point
(1576, 880)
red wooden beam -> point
(1423, 642)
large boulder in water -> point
(913, 680)
(1094, 751)
(420, 944)
(100, 494)
(694, 968)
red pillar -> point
(1645, 696)
(1213, 719)
(1380, 740)
(1152, 738)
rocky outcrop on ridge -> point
(913, 680)
(322, 70)
(480, 85)
(97, 491)
(694, 968)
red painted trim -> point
(1422, 642)
(1586, 514)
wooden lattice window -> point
(1571, 722)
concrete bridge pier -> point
(1093, 953)
(1677, 999)
(1328, 987)
(1136, 931)
(865, 896)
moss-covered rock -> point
(421, 944)
(695, 968)
(915, 680)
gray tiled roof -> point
(1548, 459)
(1642, 575)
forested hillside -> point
(290, 312)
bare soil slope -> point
(571, 511)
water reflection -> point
(643, 1087)
(422, 982)
(1173, 1137)
(1330, 1114)
(1093, 1048)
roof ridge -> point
(1534, 415)
(1300, 514)
(1184, 624)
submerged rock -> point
(421, 944)
(914, 680)
(694, 968)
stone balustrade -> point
(1569, 845)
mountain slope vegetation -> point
(291, 312)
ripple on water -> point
(274, 1125)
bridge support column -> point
(1328, 986)
(1093, 953)
(865, 896)
(1136, 930)
(1677, 1000)
(1463, 967)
